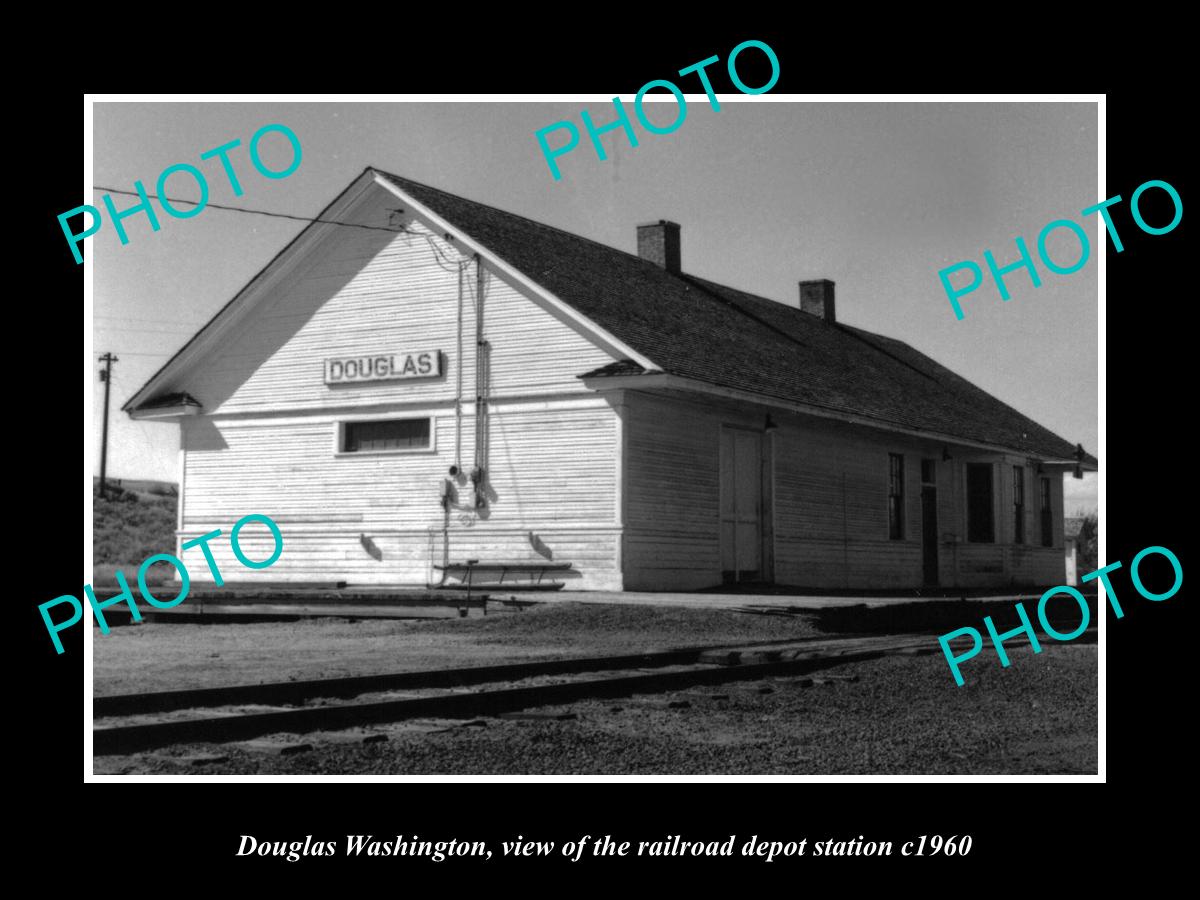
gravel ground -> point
(903, 715)
(170, 656)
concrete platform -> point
(288, 602)
(371, 601)
(764, 602)
(235, 593)
(301, 609)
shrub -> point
(124, 533)
(1089, 543)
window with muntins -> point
(387, 435)
(1018, 505)
(1047, 515)
(895, 496)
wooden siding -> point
(407, 557)
(830, 496)
(672, 494)
(365, 292)
(832, 502)
(552, 481)
(267, 442)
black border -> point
(1145, 464)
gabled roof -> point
(707, 332)
(702, 332)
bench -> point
(535, 570)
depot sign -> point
(384, 367)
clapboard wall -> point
(671, 493)
(267, 440)
(828, 487)
(366, 292)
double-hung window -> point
(896, 496)
(1018, 504)
(1047, 515)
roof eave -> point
(165, 412)
(211, 332)
(663, 381)
(1084, 465)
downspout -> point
(447, 485)
(845, 538)
(479, 473)
(458, 365)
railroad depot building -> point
(456, 382)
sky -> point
(875, 196)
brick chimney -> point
(658, 243)
(816, 298)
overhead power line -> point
(439, 256)
(140, 353)
(139, 330)
(257, 212)
(123, 319)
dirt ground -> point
(902, 715)
(170, 656)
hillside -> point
(137, 520)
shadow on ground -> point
(770, 589)
(942, 616)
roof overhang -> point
(1084, 465)
(665, 381)
(165, 412)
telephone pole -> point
(106, 376)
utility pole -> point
(106, 376)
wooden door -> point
(741, 504)
(929, 526)
(929, 533)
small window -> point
(980, 527)
(1047, 515)
(392, 435)
(896, 496)
(928, 471)
(1018, 505)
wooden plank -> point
(428, 610)
(511, 567)
(521, 586)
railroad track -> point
(302, 707)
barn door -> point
(741, 504)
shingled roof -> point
(700, 330)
